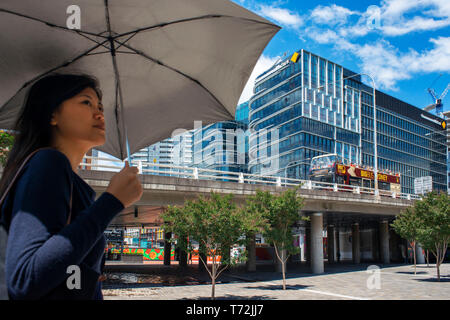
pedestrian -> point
(55, 228)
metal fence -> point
(239, 177)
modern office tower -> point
(306, 105)
(447, 140)
(242, 113)
(221, 146)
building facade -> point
(447, 140)
(307, 106)
(221, 146)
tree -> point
(281, 212)
(215, 223)
(253, 216)
(177, 222)
(407, 226)
(434, 232)
(6, 143)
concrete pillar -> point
(375, 245)
(167, 248)
(317, 243)
(307, 246)
(384, 242)
(419, 254)
(251, 254)
(356, 250)
(330, 240)
(338, 245)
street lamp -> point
(375, 171)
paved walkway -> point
(339, 282)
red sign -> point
(353, 171)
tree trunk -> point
(438, 272)
(284, 274)
(414, 253)
(213, 281)
(438, 260)
(428, 259)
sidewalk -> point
(340, 281)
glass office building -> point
(447, 118)
(221, 146)
(307, 106)
(242, 113)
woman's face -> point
(80, 120)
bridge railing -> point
(239, 177)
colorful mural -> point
(148, 254)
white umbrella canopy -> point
(161, 64)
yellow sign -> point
(444, 125)
(366, 174)
(382, 177)
(341, 169)
(295, 56)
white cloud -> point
(340, 26)
(415, 24)
(399, 17)
(282, 16)
(331, 14)
(322, 36)
(263, 64)
(392, 18)
(388, 65)
(379, 58)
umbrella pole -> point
(128, 148)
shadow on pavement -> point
(434, 280)
(232, 297)
(120, 276)
(279, 287)
(412, 272)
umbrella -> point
(162, 64)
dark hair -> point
(32, 127)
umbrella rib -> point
(51, 24)
(65, 64)
(177, 71)
(129, 38)
(106, 47)
(118, 96)
(209, 16)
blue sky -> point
(403, 44)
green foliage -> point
(282, 212)
(427, 222)
(6, 143)
(407, 225)
(254, 212)
(434, 213)
(214, 223)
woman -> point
(65, 114)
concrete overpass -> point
(346, 213)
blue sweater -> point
(40, 245)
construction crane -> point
(437, 105)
